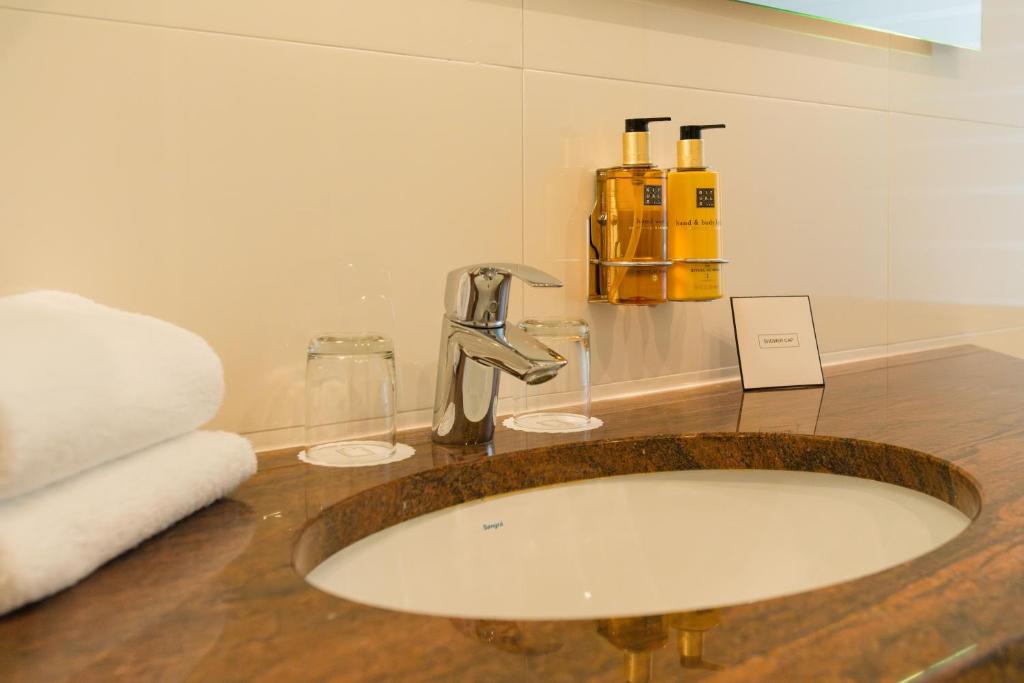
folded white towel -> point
(55, 536)
(82, 383)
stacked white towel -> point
(98, 448)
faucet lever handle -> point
(477, 295)
(534, 277)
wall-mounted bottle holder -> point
(596, 275)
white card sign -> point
(776, 343)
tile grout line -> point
(522, 145)
(272, 39)
(888, 217)
(878, 110)
(522, 67)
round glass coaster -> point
(553, 423)
(355, 454)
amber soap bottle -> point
(694, 222)
(630, 208)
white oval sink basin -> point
(640, 544)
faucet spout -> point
(511, 350)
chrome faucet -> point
(476, 345)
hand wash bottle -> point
(694, 227)
(631, 211)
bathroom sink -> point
(651, 542)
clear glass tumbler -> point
(562, 403)
(350, 398)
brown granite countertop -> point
(219, 596)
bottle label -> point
(698, 223)
(652, 195)
(705, 197)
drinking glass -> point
(350, 398)
(562, 403)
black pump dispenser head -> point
(689, 148)
(692, 132)
(636, 141)
(640, 125)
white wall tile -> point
(804, 212)
(957, 253)
(217, 164)
(488, 32)
(221, 182)
(979, 86)
(710, 44)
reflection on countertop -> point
(638, 638)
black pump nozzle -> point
(693, 132)
(640, 125)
